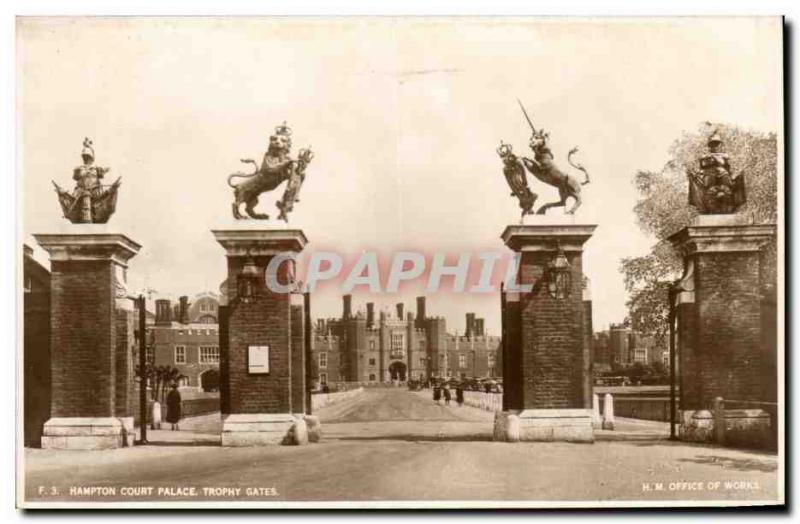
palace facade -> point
(186, 336)
(369, 346)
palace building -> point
(390, 346)
(362, 346)
(186, 336)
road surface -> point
(394, 444)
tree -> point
(160, 378)
(663, 210)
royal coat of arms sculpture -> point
(277, 166)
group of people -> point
(443, 391)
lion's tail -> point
(577, 166)
(239, 175)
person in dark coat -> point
(460, 395)
(174, 407)
(437, 393)
(446, 391)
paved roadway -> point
(393, 444)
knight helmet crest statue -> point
(90, 202)
(276, 167)
(715, 189)
(544, 169)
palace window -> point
(372, 362)
(462, 360)
(372, 345)
(490, 359)
(209, 354)
(180, 354)
(422, 345)
(323, 378)
(422, 361)
(372, 378)
(183, 382)
(202, 307)
(150, 354)
(397, 346)
(323, 360)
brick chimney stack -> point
(347, 303)
(470, 330)
(163, 312)
(479, 327)
(370, 315)
(183, 309)
(421, 314)
(399, 310)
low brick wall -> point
(198, 406)
(346, 386)
(644, 408)
(203, 404)
(482, 400)
(320, 400)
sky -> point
(404, 116)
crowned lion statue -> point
(277, 166)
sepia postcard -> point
(400, 262)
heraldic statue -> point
(715, 190)
(90, 202)
(277, 166)
(543, 167)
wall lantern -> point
(559, 276)
(247, 281)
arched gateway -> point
(397, 371)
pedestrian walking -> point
(437, 393)
(460, 395)
(174, 407)
(446, 392)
